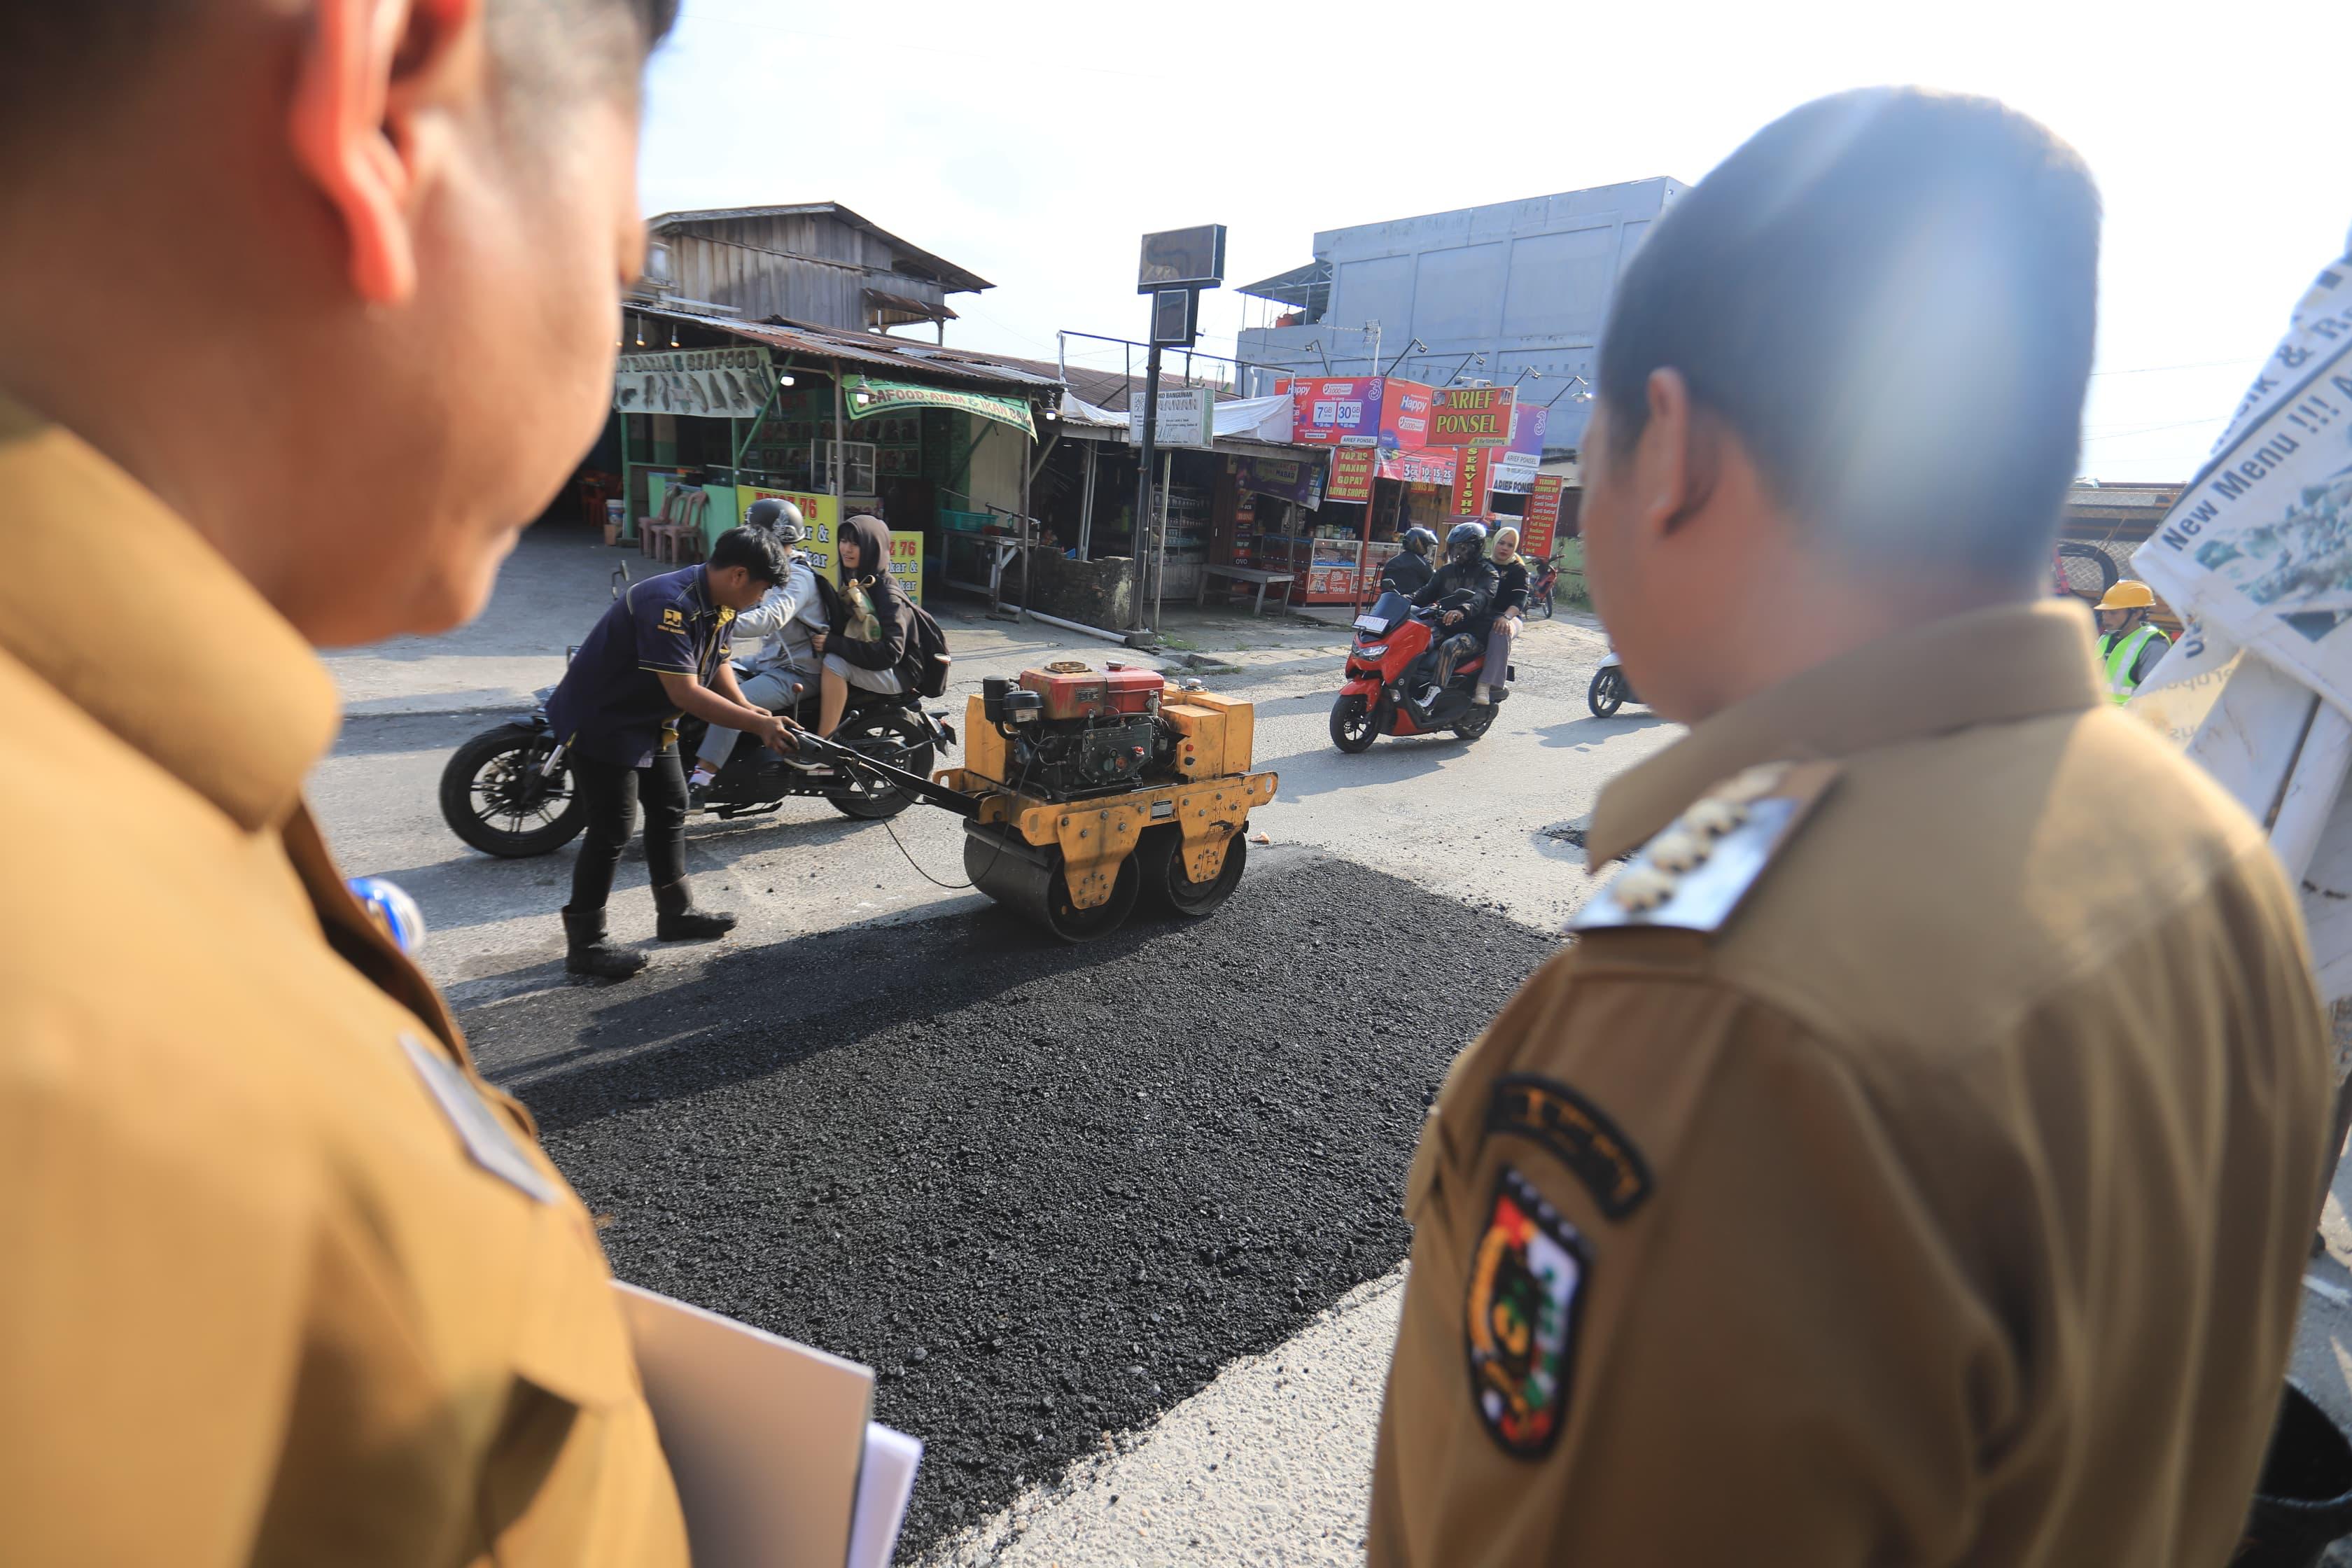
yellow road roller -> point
(1084, 791)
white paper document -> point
(885, 1481)
(777, 1462)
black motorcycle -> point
(506, 792)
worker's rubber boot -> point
(676, 918)
(585, 951)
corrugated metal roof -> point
(921, 310)
(958, 279)
(866, 348)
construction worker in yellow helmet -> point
(2129, 644)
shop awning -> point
(871, 395)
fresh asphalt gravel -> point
(1045, 1191)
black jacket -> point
(891, 611)
(1511, 591)
(1407, 574)
(1476, 578)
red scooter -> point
(1390, 669)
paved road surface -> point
(740, 1110)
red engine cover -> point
(1094, 693)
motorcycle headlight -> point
(1374, 651)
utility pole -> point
(1143, 480)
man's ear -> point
(371, 75)
(1675, 457)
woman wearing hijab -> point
(1510, 607)
(868, 622)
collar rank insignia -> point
(1694, 875)
(1527, 1282)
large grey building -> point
(1513, 293)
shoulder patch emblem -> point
(1693, 875)
(1526, 1283)
(673, 618)
(1578, 1133)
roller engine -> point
(1070, 732)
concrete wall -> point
(1525, 283)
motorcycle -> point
(1540, 587)
(1610, 689)
(506, 792)
(1392, 665)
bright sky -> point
(1035, 143)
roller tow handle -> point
(930, 790)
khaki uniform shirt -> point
(267, 1294)
(1920, 1172)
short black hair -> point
(1890, 296)
(65, 56)
(755, 549)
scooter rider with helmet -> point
(1410, 571)
(1464, 589)
(790, 623)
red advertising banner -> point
(1352, 469)
(1472, 416)
(1419, 468)
(1471, 479)
(1535, 530)
(1358, 411)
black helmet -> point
(779, 517)
(1466, 541)
(1420, 541)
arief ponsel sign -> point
(1358, 411)
(1472, 416)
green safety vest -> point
(2123, 652)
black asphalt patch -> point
(1046, 1191)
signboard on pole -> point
(1182, 258)
(1471, 415)
(1187, 419)
(1352, 469)
(1542, 522)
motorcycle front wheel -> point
(495, 796)
(1540, 605)
(1355, 724)
(1607, 692)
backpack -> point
(924, 667)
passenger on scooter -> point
(790, 620)
(1407, 572)
(1510, 608)
(1467, 579)
(870, 622)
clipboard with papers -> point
(778, 1461)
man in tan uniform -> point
(1913, 1159)
(310, 304)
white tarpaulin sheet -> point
(2257, 552)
